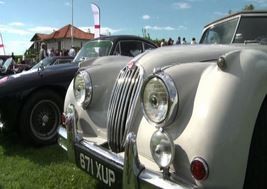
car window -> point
(130, 48)
(7, 64)
(221, 33)
(246, 30)
(117, 50)
(45, 62)
(148, 46)
(94, 48)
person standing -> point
(43, 52)
(72, 52)
(162, 43)
(178, 42)
(193, 42)
(170, 41)
(184, 41)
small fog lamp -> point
(162, 148)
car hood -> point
(173, 55)
(28, 79)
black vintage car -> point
(32, 101)
(9, 66)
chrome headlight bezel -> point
(173, 99)
(83, 90)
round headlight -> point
(160, 99)
(155, 100)
(82, 88)
(162, 149)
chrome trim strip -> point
(62, 138)
(70, 123)
(153, 179)
(1, 122)
(132, 165)
(236, 27)
(103, 152)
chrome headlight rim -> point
(85, 100)
(173, 99)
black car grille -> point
(123, 96)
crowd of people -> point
(44, 52)
(179, 41)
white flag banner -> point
(2, 47)
(96, 14)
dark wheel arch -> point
(256, 176)
(40, 117)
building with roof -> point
(61, 39)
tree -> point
(249, 7)
(145, 34)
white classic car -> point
(190, 116)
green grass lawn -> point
(23, 166)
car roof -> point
(61, 57)
(237, 14)
(123, 37)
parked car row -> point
(175, 117)
(32, 101)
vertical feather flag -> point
(96, 14)
(2, 44)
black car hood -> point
(51, 75)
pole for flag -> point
(71, 29)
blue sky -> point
(21, 19)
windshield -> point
(94, 49)
(45, 62)
(221, 33)
(7, 63)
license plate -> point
(95, 166)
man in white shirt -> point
(72, 52)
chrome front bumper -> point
(1, 122)
(62, 140)
(135, 175)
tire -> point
(257, 161)
(40, 117)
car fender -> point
(215, 118)
(225, 109)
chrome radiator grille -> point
(123, 96)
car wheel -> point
(40, 117)
(257, 161)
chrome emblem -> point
(131, 65)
